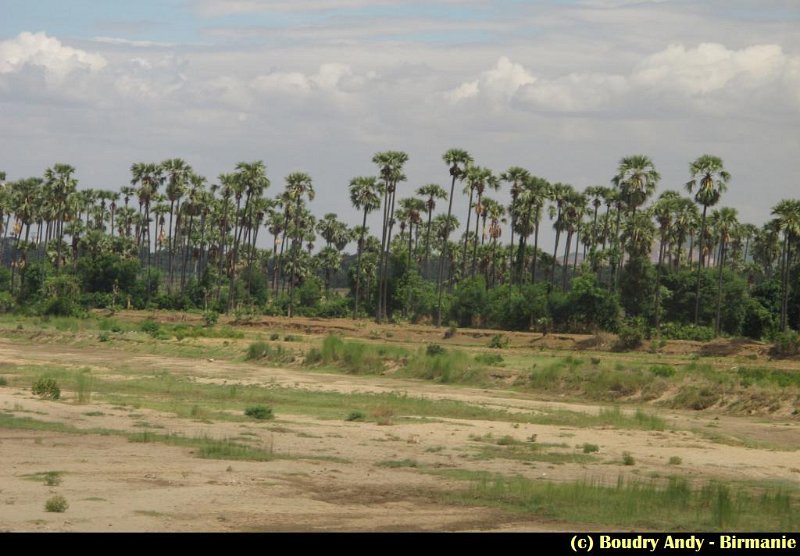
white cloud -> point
(712, 77)
(48, 53)
(710, 67)
(138, 44)
(499, 83)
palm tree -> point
(298, 186)
(177, 174)
(457, 160)
(518, 177)
(788, 221)
(664, 211)
(710, 180)
(486, 179)
(723, 221)
(431, 192)
(61, 183)
(363, 196)
(637, 179)
(559, 193)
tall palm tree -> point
(61, 183)
(787, 220)
(723, 222)
(298, 186)
(177, 173)
(709, 181)
(486, 179)
(518, 177)
(364, 196)
(390, 164)
(457, 160)
(431, 192)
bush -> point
(629, 337)
(274, 336)
(3, 381)
(103, 336)
(680, 331)
(663, 371)
(434, 349)
(355, 415)
(627, 459)
(210, 318)
(489, 358)
(498, 341)
(260, 412)
(150, 327)
(57, 504)
(46, 388)
(262, 350)
(758, 321)
(590, 448)
(786, 344)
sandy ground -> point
(325, 475)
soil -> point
(331, 475)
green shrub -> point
(150, 327)
(627, 459)
(629, 337)
(786, 344)
(590, 448)
(291, 338)
(489, 359)
(675, 460)
(663, 371)
(46, 388)
(434, 349)
(274, 336)
(262, 350)
(3, 381)
(355, 415)
(210, 318)
(260, 412)
(57, 504)
(681, 331)
(103, 336)
(498, 341)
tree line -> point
(676, 264)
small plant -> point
(498, 341)
(355, 415)
(84, 382)
(489, 359)
(291, 338)
(664, 371)
(590, 448)
(46, 388)
(210, 318)
(103, 336)
(627, 459)
(274, 336)
(507, 440)
(150, 327)
(3, 381)
(434, 349)
(675, 460)
(57, 504)
(786, 344)
(52, 478)
(451, 330)
(260, 412)
(629, 337)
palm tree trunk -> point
(170, 243)
(535, 250)
(466, 234)
(699, 267)
(427, 240)
(443, 255)
(717, 323)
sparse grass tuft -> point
(675, 460)
(627, 459)
(355, 415)
(392, 464)
(590, 448)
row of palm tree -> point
(216, 227)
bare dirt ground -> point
(327, 474)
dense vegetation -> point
(622, 260)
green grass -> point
(393, 464)
(672, 505)
(48, 478)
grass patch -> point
(262, 351)
(207, 448)
(259, 412)
(49, 478)
(353, 357)
(671, 505)
(392, 464)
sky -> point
(564, 88)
